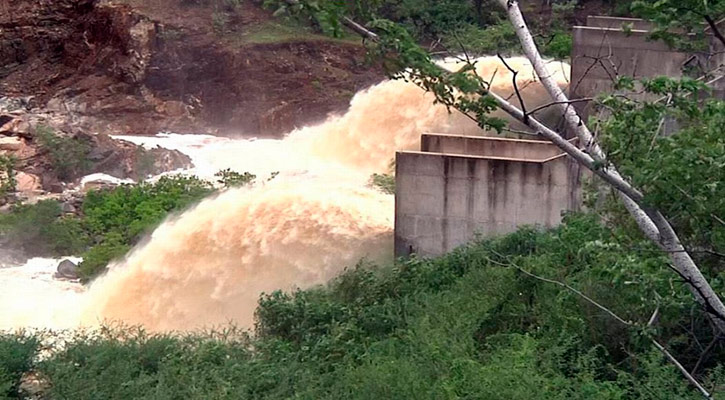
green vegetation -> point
(69, 155)
(384, 182)
(41, 229)
(230, 178)
(285, 30)
(681, 23)
(470, 324)
(7, 175)
(111, 221)
(116, 219)
(17, 353)
(677, 191)
(476, 26)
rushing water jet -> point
(209, 265)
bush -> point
(129, 211)
(7, 175)
(41, 230)
(69, 155)
(112, 221)
(469, 324)
(16, 358)
(430, 18)
(230, 178)
(558, 45)
(465, 325)
(384, 182)
(116, 219)
(97, 258)
(493, 39)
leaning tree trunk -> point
(650, 220)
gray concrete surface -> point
(603, 51)
(444, 200)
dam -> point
(458, 187)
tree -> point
(470, 94)
(672, 17)
(651, 221)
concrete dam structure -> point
(611, 47)
(457, 187)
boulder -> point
(68, 208)
(14, 125)
(11, 143)
(26, 182)
(67, 269)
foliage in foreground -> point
(16, 358)
(466, 325)
(111, 221)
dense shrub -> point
(42, 230)
(131, 210)
(116, 219)
(111, 221)
(493, 39)
(16, 358)
(466, 325)
(680, 174)
(97, 257)
(69, 155)
(478, 26)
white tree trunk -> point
(652, 223)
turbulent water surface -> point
(208, 265)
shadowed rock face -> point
(124, 69)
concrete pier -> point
(459, 186)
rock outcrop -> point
(37, 167)
(139, 67)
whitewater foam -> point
(209, 265)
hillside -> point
(138, 67)
(267, 269)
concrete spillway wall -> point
(612, 47)
(457, 187)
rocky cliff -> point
(139, 67)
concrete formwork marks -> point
(443, 200)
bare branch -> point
(705, 353)
(682, 369)
(360, 30)
(553, 103)
(516, 86)
(715, 29)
